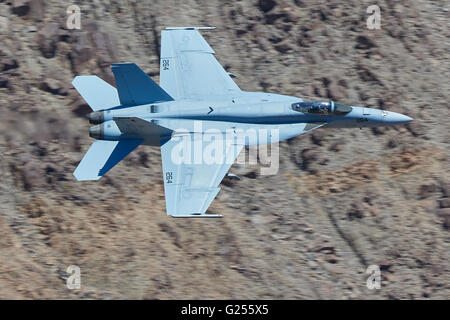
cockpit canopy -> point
(341, 109)
(321, 107)
(317, 107)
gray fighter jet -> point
(200, 119)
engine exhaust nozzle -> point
(96, 117)
(96, 131)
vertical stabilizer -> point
(135, 87)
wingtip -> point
(80, 177)
(191, 28)
(197, 216)
(77, 79)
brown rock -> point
(267, 5)
(47, 40)
(251, 175)
(444, 203)
(405, 161)
(81, 110)
(97, 45)
(35, 208)
(29, 8)
(415, 128)
(445, 187)
(53, 86)
(336, 147)
(318, 137)
(323, 245)
(54, 173)
(4, 82)
(308, 157)
(367, 75)
(392, 143)
(336, 92)
(282, 15)
(76, 145)
(320, 91)
(331, 258)
(106, 48)
(364, 42)
(283, 46)
(425, 190)
(143, 158)
(443, 212)
(379, 130)
(40, 148)
(7, 62)
(385, 264)
(356, 211)
(21, 7)
(82, 49)
(446, 223)
(32, 175)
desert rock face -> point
(341, 201)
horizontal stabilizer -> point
(98, 94)
(102, 156)
(136, 87)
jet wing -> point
(192, 172)
(188, 67)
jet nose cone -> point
(407, 119)
(397, 118)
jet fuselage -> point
(248, 110)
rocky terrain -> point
(341, 201)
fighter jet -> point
(197, 101)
